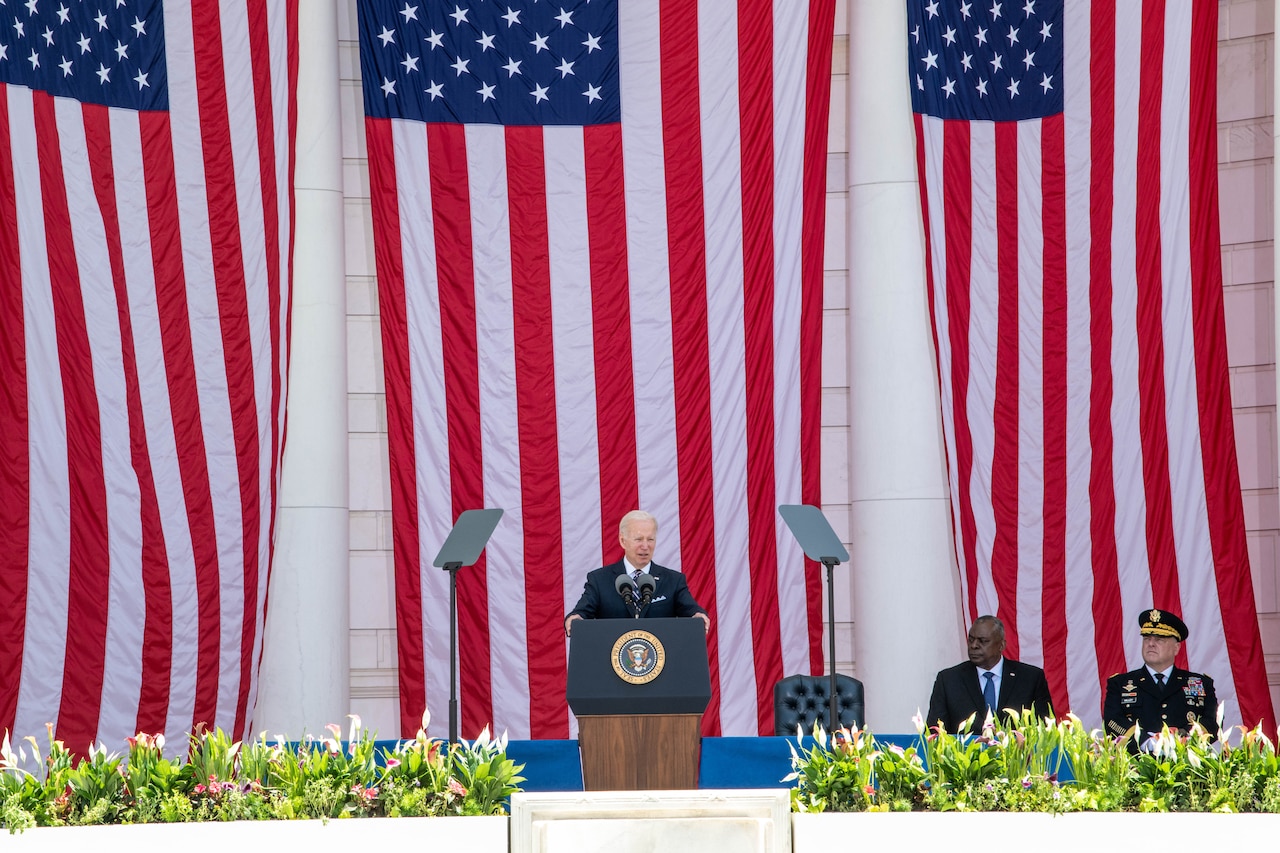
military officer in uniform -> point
(1159, 693)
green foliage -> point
(22, 795)
(852, 772)
(899, 779)
(220, 779)
(487, 777)
(835, 777)
(1030, 764)
(151, 776)
(964, 770)
(420, 778)
(1020, 764)
(95, 785)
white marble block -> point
(747, 821)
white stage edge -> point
(745, 821)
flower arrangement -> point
(1024, 763)
(851, 772)
(221, 779)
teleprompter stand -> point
(819, 542)
(462, 547)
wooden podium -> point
(638, 688)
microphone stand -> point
(647, 586)
(627, 590)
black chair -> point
(801, 700)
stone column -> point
(304, 683)
(906, 599)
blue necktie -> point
(989, 691)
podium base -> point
(640, 752)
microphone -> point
(625, 588)
(647, 584)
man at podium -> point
(635, 586)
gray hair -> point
(636, 515)
(994, 622)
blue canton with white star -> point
(993, 60)
(108, 52)
(508, 62)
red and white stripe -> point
(579, 322)
(1076, 296)
(145, 282)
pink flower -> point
(456, 787)
(393, 762)
(144, 740)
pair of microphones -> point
(637, 593)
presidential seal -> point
(638, 657)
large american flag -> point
(1068, 172)
(145, 232)
(598, 229)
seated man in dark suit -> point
(1159, 693)
(987, 682)
(638, 533)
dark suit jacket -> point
(600, 599)
(1133, 698)
(956, 694)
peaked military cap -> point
(1162, 623)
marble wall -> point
(1246, 192)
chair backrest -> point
(801, 700)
